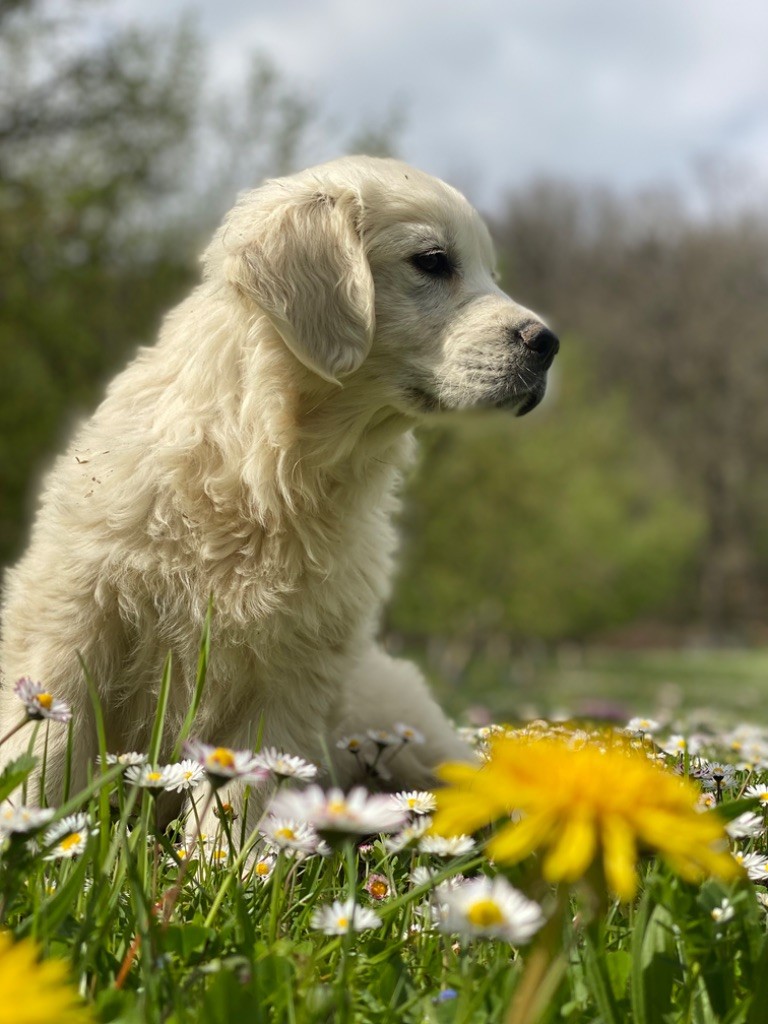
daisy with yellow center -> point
(594, 803)
(222, 764)
(263, 868)
(67, 838)
(39, 703)
(416, 801)
(492, 908)
(289, 835)
(377, 886)
(151, 777)
(336, 814)
(344, 916)
(34, 991)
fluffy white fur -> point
(254, 454)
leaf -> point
(655, 964)
(619, 966)
(186, 939)
(14, 773)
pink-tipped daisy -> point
(222, 764)
(40, 704)
(334, 813)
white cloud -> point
(499, 90)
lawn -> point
(733, 683)
(577, 875)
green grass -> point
(733, 683)
(149, 940)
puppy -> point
(254, 454)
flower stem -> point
(14, 729)
(543, 970)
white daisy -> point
(446, 846)
(675, 744)
(342, 917)
(185, 775)
(382, 737)
(759, 792)
(217, 854)
(286, 766)
(416, 801)
(124, 760)
(39, 703)
(149, 776)
(356, 813)
(724, 912)
(746, 825)
(408, 836)
(221, 764)
(263, 868)
(18, 820)
(289, 835)
(642, 725)
(68, 837)
(755, 864)
(422, 875)
(492, 908)
(354, 744)
(408, 734)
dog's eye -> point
(436, 263)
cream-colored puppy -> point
(254, 454)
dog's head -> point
(374, 272)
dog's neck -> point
(320, 437)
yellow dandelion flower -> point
(583, 800)
(34, 991)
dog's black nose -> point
(541, 340)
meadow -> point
(576, 874)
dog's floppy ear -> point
(307, 269)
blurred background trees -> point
(630, 506)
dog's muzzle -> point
(539, 340)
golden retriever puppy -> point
(254, 454)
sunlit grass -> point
(319, 916)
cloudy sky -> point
(628, 92)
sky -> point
(628, 93)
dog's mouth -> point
(521, 405)
(516, 402)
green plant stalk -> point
(543, 970)
(101, 735)
(14, 729)
(68, 760)
(345, 1002)
(202, 674)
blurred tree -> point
(696, 354)
(672, 297)
(88, 130)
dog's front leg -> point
(381, 693)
